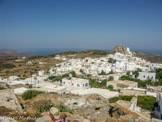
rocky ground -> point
(89, 108)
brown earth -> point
(23, 70)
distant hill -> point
(87, 53)
(96, 52)
(3, 50)
(153, 58)
(10, 53)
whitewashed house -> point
(147, 76)
(119, 84)
(41, 73)
(76, 82)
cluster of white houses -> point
(95, 67)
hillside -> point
(87, 53)
(10, 64)
(153, 58)
(11, 53)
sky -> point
(84, 24)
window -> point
(64, 82)
(83, 85)
(86, 84)
(144, 76)
(72, 84)
(78, 85)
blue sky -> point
(87, 24)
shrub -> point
(115, 99)
(118, 90)
(89, 75)
(2, 88)
(126, 98)
(110, 87)
(103, 83)
(45, 107)
(102, 73)
(95, 84)
(4, 66)
(158, 83)
(73, 74)
(111, 78)
(29, 94)
(146, 102)
(111, 60)
(62, 108)
(81, 70)
(159, 73)
(58, 78)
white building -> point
(76, 82)
(50, 87)
(147, 76)
(119, 84)
(41, 73)
(103, 92)
(20, 91)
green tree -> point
(102, 73)
(73, 74)
(159, 73)
(110, 87)
(136, 73)
(111, 60)
(128, 73)
(89, 75)
(158, 83)
(81, 70)
(111, 78)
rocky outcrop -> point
(116, 112)
(122, 50)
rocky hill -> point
(153, 58)
(121, 49)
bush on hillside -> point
(7, 65)
(45, 107)
(146, 102)
(115, 99)
(73, 74)
(159, 73)
(110, 87)
(111, 60)
(29, 94)
(103, 73)
(62, 108)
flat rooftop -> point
(77, 80)
(125, 82)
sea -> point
(52, 51)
